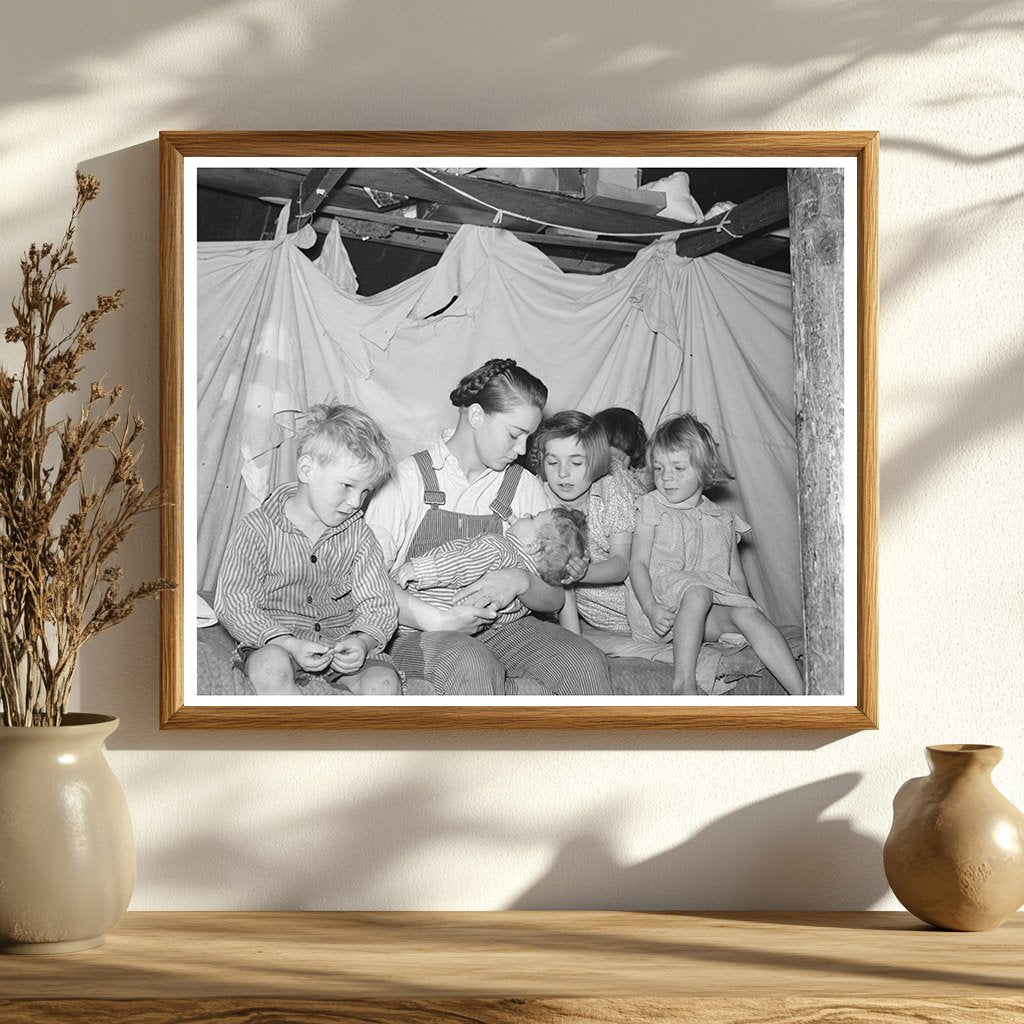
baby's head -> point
(551, 538)
(686, 434)
(625, 432)
(343, 457)
(570, 452)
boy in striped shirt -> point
(542, 544)
(303, 588)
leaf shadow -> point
(779, 853)
(984, 406)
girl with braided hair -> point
(465, 484)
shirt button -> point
(312, 558)
(309, 599)
(316, 627)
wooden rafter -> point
(255, 182)
(766, 210)
(313, 192)
(546, 206)
(385, 233)
(543, 241)
(345, 197)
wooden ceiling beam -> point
(345, 192)
(769, 209)
(438, 244)
(254, 182)
(449, 227)
(264, 182)
(546, 206)
(757, 249)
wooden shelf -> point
(545, 967)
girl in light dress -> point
(686, 583)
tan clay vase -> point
(67, 856)
(955, 855)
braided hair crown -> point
(499, 385)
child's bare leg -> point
(770, 646)
(271, 671)
(373, 681)
(687, 636)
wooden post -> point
(816, 253)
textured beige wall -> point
(454, 821)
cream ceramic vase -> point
(955, 855)
(67, 855)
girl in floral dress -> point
(573, 460)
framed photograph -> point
(519, 430)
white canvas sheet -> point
(662, 335)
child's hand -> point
(416, 575)
(575, 570)
(310, 655)
(407, 575)
(349, 654)
(661, 617)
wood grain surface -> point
(516, 1011)
(513, 144)
(534, 955)
(673, 146)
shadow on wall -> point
(777, 854)
(939, 244)
(672, 45)
(176, 66)
(991, 403)
(440, 846)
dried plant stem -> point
(58, 588)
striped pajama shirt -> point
(450, 567)
(275, 581)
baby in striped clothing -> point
(303, 588)
(542, 544)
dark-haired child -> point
(627, 442)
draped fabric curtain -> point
(278, 332)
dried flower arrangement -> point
(57, 586)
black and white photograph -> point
(523, 434)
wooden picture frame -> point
(816, 196)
